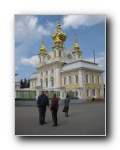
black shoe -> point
(41, 123)
(54, 125)
(44, 123)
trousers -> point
(42, 112)
(54, 116)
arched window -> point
(70, 80)
(46, 82)
(52, 81)
(76, 78)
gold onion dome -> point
(59, 34)
(57, 41)
(76, 46)
(43, 49)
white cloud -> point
(99, 60)
(81, 20)
(27, 27)
(33, 61)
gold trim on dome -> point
(76, 46)
(43, 49)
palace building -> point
(65, 71)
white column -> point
(57, 77)
(57, 52)
(43, 79)
(49, 78)
(81, 78)
(76, 57)
(42, 58)
(62, 54)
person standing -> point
(54, 109)
(66, 105)
(42, 102)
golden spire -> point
(43, 49)
(59, 37)
(76, 46)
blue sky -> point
(90, 30)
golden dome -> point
(43, 49)
(76, 46)
(59, 34)
(57, 41)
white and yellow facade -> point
(62, 70)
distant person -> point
(42, 102)
(93, 99)
(66, 106)
(54, 109)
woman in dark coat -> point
(66, 105)
(54, 109)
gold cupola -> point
(43, 49)
(76, 46)
(59, 37)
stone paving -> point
(85, 119)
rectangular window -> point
(87, 78)
(93, 92)
(76, 78)
(87, 92)
(99, 92)
(70, 80)
(93, 79)
(64, 80)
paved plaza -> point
(84, 119)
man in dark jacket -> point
(42, 102)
